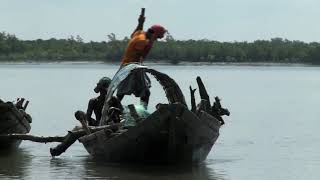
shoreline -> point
(182, 63)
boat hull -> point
(172, 134)
(12, 121)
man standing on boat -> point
(138, 48)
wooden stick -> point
(202, 90)
(39, 139)
(193, 100)
(205, 99)
(25, 105)
(50, 139)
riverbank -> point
(182, 63)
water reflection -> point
(102, 170)
(20, 164)
(14, 163)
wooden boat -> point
(13, 120)
(171, 134)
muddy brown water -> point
(272, 132)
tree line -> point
(275, 50)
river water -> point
(271, 133)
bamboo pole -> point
(39, 139)
(50, 139)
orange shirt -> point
(136, 49)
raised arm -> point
(140, 22)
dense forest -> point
(276, 50)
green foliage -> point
(171, 50)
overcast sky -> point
(222, 20)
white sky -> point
(222, 20)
